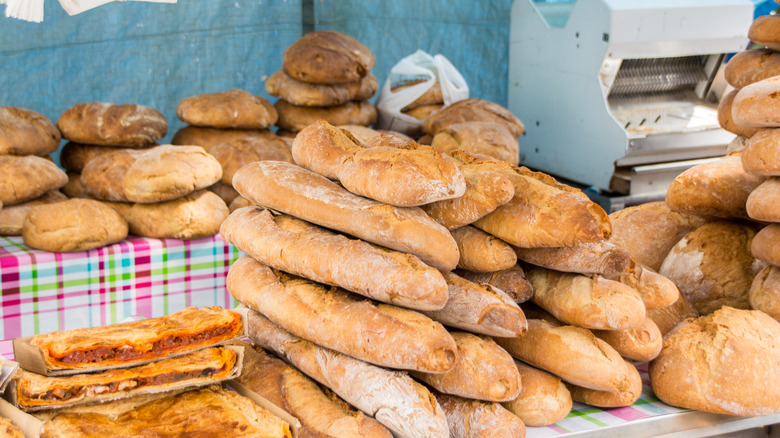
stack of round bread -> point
(158, 190)
(325, 75)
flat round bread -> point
(26, 132)
(28, 177)
(295, 118)
(300, 93)
(236, 109)
(327, 57)
(107, 124)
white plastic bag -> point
(419, 66)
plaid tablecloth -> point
(42, 291)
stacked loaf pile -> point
(325, 75)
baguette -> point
(656, 290)
(341, 321)
(409, 176)
(609, 399)
(300, 248)
(402, 405)
(298, 192)
(589, 258)
(512, 281)
(667, 318)
(481, 252)
(543, 400)
(477, 419)
(479, 308)
(641, 344)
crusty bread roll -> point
(512, 281)
(656, 290)
(301, 93)
(479, 308)
(12, 216)
(106, 124)
(667, 318)
(572, 353)
(298, 192)
(765, 247)
(765, 291)
(761, 154)
(713, 266)
(295, 118)
(402, 405)
(234, 155)
(543, 211)
(765, 31)
(335, 319)
(482, 371)
(300, 248)
(477, 419)
(754, 106)
(481, 252)
(484, 138)
(751, 66)
(27, 177)
(763, 204)
(235, 109)
(405, 177)
(321, 413)
(587, 301)
(207, 137)
(72, 225)
(610, 399)
(641, 343)
(587, 258)
(473, 110)
(718, 188)
(26, 132)
(543, 400)
(726, 120)
(224, 191)
(327, 57)
(650, 230)
(726, 362)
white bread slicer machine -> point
(621, 96)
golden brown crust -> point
(481, 252)
(751, 66)
(588, 258)
(473, 110)
(765, 292)
(761, 154)
(474, 418)
(424, 111)
(543, 400)
(300, 93)
(641, 344)
(225, 191)
(753, 106)
(431, 96)
(207, 137)
(241, 202)
(28, 177)
(486, 138)
(234, 109)
(9, 430)
(610, 399)
(151, 338)
(726, 119)
(107, 124)
(12, 216)
(295, 117)
(762, 204)
(196, 215)
(26, 132)
(234, 155)
(765, 30)
(765, 247)
(74, 156)
(512, 281)
(656, 290)
(667, 318)
(327, 57)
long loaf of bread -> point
(300, 248)
(512, 281)
(656, 290)
(588, 258)
(544, 399)
(306, 195)
(641, 343)
(402, 405)
(481, 252)
(478, 419)
(610, 399)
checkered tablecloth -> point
(42, 291)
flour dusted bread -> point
(327, 57)
(234, 155)
(666, 318)
(726, 120)
(196, 215)
(28, 177)
(12, 217)
(765, 247)
(237, 109)
(481, 252)
(761, 154)
(72, 225)
(656, 290)
(610, 399)
(106, 124)
(754, 106)
(300, 248)
(641, 343)
(512, 281)
(295, 117)
(589, 258)
(486, 138)
(205, 137)
(543, 400)
(473, 110)
(298, 192)
(765, 31)
(696, 368)
(763, 204)
(26, 132)
(281, 85)
(751, 66)
(473, 418)
(765, 292)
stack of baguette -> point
(325, 75)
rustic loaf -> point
(327, 57)
(236, 154)
(12, 216)
(477, 419)
(641, 343)
(207, 137)
(300, 248)
(73, 188)
(224, 191)
(486, 138)
(763, 204)
(25, 178)
(588, 258)
(765, 31)
(543, 400)
(432, 95)
(751, 66)
(656, 290)
(235, 109)
(726, 120)
(240, 202)
(298, 192)
(765, 291)
(666, 318)
(610, 399)
(281, 85)
(422, 112)
(512, 281)
(765, 247)
(363, 133)
(481, 252)
(26, 132)
(726, 362)
(106, 124)
(473, 110)
(74, 156)
(736, 145)
(754, 106)
(295, 117)
(761, 154)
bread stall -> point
(281, 213)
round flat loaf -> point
(9, 430)
(726, 363)
(240, 202)
(26, 132)
(761, 154)
(713, 266)
(765, 31)
(107, 124)
(726, 121)
(73, 225)
(207, 137)
(103, 176)
(751, 66)
(756, 106)
(224, 191)
(667, 318)
(306, 94)
(28, 177)
(763, 204)
(484, 138)
(432, 96)
(650, 230)
(765, 247)
(473, 110)
(196, 215)
(236, 109)
(294, 117)
(543, 399)
(234, 155)
(74, 156)
(12, 217)
(718, 188)
(327, 57)
(765, 291)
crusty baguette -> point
(402, 405)
(512, 281)
(667, 318)
(609, 399)
(304, 194)
(482, 252)
(656, 290)
(479, 308)
(572, 353)
(300, 248)
(477, 419)
(544, 399)
(482, 371)
(321, 413)
(341, 321)
(588, 258)
(587, 301)
(405, 177)
(641, 344)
